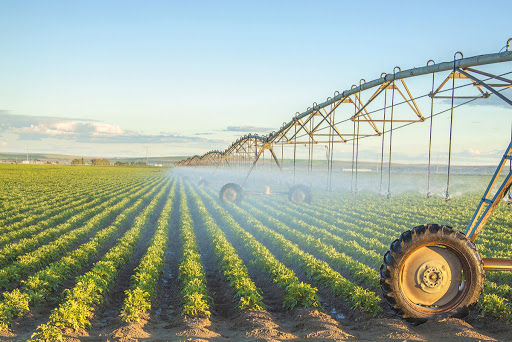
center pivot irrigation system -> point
(431, 270)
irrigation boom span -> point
(249, 148)
(429, 69)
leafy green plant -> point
(144, 281)
(191, 272)
(296, 293)
(232, 267)
(80, 301)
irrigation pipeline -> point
(248, 149)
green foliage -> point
(136, 302)
(335, 244)
(191, 272)
(296, 293)
(48, 333)
(39, 285)
(232, 267)
(195, 303)
(14, 304)
(100, 162)
(317, 270)
(80, 301)
(495, 306)
(144, 281)
(320, 241)
(300, 294)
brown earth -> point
(299, 325)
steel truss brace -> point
(487, 205)
(265, 146)
(457, 74)
(409, 99)
(489, 87)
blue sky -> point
(185, 77)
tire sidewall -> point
(437, 235)
(237, 188)
(304, 189)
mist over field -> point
(403, 179)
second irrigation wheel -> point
(203, 183)
(231, 192)
(432, 271)
(299, 193)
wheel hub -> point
(229, 195)
(431, 276)
(298, 196)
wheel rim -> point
(229, 195)
(433, 278)
(298, 196)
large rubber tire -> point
(437, 238)
(299, 193)
(231, 192)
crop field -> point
(104, 253)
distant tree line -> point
(100, 162)
(93, 162)
(106, 162)
(78, 162)
(134, 164)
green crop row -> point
(297, 293)
(143, 283)
(80, 301)
(47, 209)
(11, 251)
(41, 256)
(317, 270)
(348, 266)
(65, 213)
(196, 301)
(232, 267)
(39, 286)
(25, 190)
(58, 201)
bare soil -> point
(299, 325)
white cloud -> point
(45, 129)
(104, 128)
(28, 127)
(70, 128)
(65, 125)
